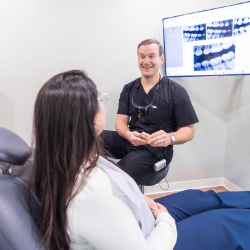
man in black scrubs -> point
(156, 105)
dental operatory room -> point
(124, 125)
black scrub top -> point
(170, 108)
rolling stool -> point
(165, 174)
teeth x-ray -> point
(194, 33)
(219, 29)
(241, 26)
(219, 56)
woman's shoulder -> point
(98, 191)
(97, 184)
(97, 199)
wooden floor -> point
(216, 189)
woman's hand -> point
(156, 208)
(160, 208)
(150, 202)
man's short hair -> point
(151, 41)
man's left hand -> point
(159, 139)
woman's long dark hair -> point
(65, 144)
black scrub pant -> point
(137, 162)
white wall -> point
(237, 160)
(204, 156)
(44, 37)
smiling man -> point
(154, 114)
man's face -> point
(149, 60)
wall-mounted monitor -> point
(208, 43)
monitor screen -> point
(208, 43)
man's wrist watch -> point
(172, 137)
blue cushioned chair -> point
(18, 230)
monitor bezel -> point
(165, 68)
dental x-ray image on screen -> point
(219, 56)
(213, 42)
(241, 26)
(220, 29)
(194, 33)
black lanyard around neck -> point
(144, 107)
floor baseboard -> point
(193, 184)
(231, 186)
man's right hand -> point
(123, 130)
(134, 138)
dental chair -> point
(18, 230)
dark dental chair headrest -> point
(13, 150)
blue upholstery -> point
(209, 220)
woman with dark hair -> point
(89, 203)
(82, 201)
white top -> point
(99, 218)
